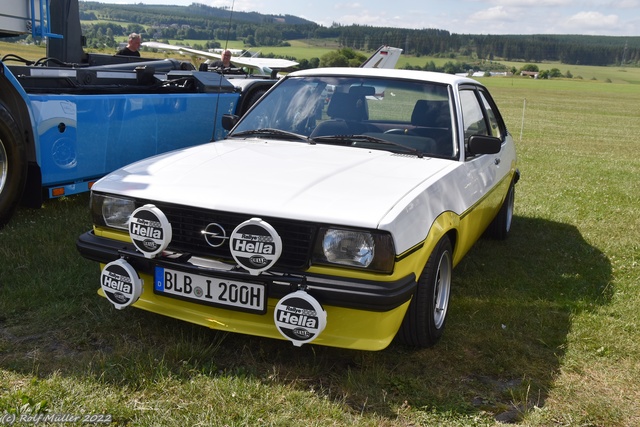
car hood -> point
(321, 183)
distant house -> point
(532, 74)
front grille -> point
(188, 223)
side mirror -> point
(483, 144)
(229, 121)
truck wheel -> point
(13, 166)
(501, 224)
(426, 316)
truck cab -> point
(71, 117)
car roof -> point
(429, 76)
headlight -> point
(111, 211)
(354, 248)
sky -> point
(588, 17)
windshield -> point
(399, 116)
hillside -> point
(186, 13)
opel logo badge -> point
(215, 235)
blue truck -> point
(71, 117)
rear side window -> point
(494, 123)
(473, 118)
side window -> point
(496, 130)
(472, 115)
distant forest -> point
(201, 22)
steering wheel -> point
(397, 131)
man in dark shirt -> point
(131, 49)
(224, 62)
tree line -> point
(200, 22)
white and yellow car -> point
(333, 213)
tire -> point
(426, 316)
(501, 225)
(13, 166)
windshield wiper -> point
(270, 132)
(352, 139)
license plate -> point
(213, 291)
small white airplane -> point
(384, 57)
(261, 66)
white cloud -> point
(625, 4)
(528, 3)
(589, 21)
(340, 6)
(497, 13)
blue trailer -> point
(72, 117)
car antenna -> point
(226, 43)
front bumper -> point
(361, 314)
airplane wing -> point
(262, 65)
(384, 57)
(180, 49)
(273, 63)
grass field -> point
(543, 328)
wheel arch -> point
(14, 101)
(445, 225)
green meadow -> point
(544, 328)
